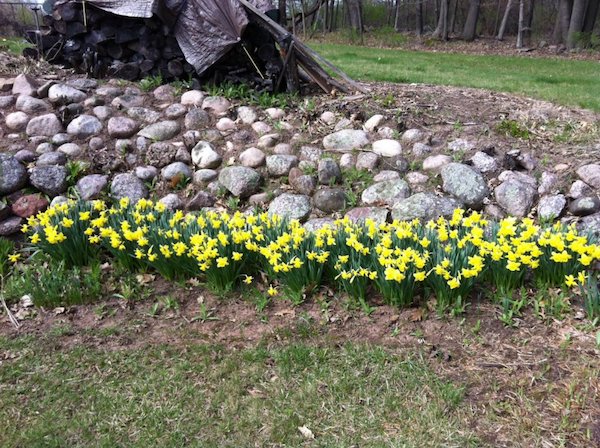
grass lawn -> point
(211, 396)
(563, 81)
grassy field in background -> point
(211, 396)
(563, 81)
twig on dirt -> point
(13, 320)
(507, 366)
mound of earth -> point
(399, 152)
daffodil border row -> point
(402, 260)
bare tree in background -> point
(470, 29)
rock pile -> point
(80, 138)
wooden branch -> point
(308, 58)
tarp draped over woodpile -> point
(205, 29)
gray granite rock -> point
(239, 180)
(11, 226)
(160, 154)
(590, 174)
(424, 206)
(551, 207)
(386, 193)
(484, 163)
(63, 94)
(247, 115)
(280, 165)
(312, 225)
(345, 140)
(192, 98)
(548, 183)
(460, 144)
(163, 130)
(291, 206)
(146, 173)
(386, 175)
(52, 158)
(328, 172)
(515, 197)
(176, 170)
(172, 202)
(17, 121)
(13, 175)
(330, 200)
(465, 183)
(373, 123)
(436, 163)
(585, 205)
(70, 149)
(122, 127)
(205, 156)
(579, 189)
(197, 118)
(252, 158)
(387, 148)
(91, 186)
(367, 161)
(175, 111)
(201, 200)
(31, 105)
(216, 105)
(311, 153)
(44, 125)
(127, 185)
(84, 126)
(359, 215)
(24, 85)
(51, 180)
(411, 136)
(304, 184)
(204, 176)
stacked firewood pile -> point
(103, 44)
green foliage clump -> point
(513, 128)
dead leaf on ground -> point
(306, 433)
(144, 279)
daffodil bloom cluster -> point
(403, 261)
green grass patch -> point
(162, 396)
(14, 45)
(563, 81)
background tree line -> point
(572, 23)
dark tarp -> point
(205, 29)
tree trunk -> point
(521, 23)
(282, 13)
(591, 15)
(470, 29)
(576, 23)
(355, 16)
(419, 18)
(453, 16)
(497, 17)
(397, 17)
(442, 26)
(500, 35)
(564, 13)
(529, 22)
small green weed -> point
(511, 308)
(250, 96)
(6, 248)
(513, 128)
(151, 82)
(52, 284)
(75, 169)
